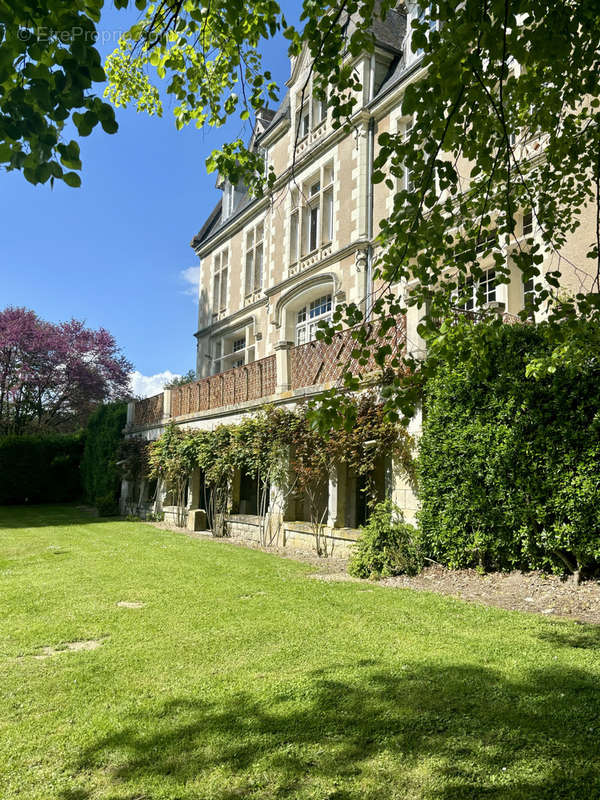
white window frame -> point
(233, 350)
(308, 317)
(220, 281)
(415, 13)
(487, 284)
(310, 113)
(254, 266)
(407, 182)
(312, 214)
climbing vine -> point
(283, 450)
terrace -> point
(290, 371)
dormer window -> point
(304, 121)
(231, 198)
(420, 13)
(228, 200)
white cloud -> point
(191, 277)
(147, 385)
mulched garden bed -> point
(517, 591)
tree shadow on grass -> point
(448, 733)
(585, 637)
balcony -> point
(312, 365)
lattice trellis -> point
(317, 362)
(237, 385)
(149, 410)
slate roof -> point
(390, 32)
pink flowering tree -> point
(53, 376)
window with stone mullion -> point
(254, 260)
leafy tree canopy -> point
(52, 376)
(181, 380)
(48, 67)
(497, 73)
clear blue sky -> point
(112, 252)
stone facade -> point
(272, 268)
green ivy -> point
(509, 461)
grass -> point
(242, 678)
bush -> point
(107, 506)
(100, 475)
(40, 468)
(509, 465)
(387, 545)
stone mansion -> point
(273, 268)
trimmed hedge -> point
(100, 475)
(510, 466)
(40, 468)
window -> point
(232, 350)
(309, 316)
(228, 196)
(482, 291)
(295, 229)
(328, 216)
(529, 292)
(220, 282)
(310, 114)
(420, 14)
(313, 227)
(406, 182)
(486, 241)
(311, 221)
(303, 120)
(319, 111)
(527, 223)
(254, 259)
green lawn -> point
(242, 678)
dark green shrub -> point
(387, 545)
(40, 468)
(509, 465)
(107, 506)
(99, 471)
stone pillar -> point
(282, 363)
(351, 489)
(126, 487)
(143, 494)
(166, 405)
(336, 507)
(130, 413)
(235, 492)
(415, 345)
(161, 493)
(404, 494)
(195, 490)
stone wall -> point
(293, 535)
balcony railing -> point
(149, 410)
(319, 362)
(236, 385)
(312, 364)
